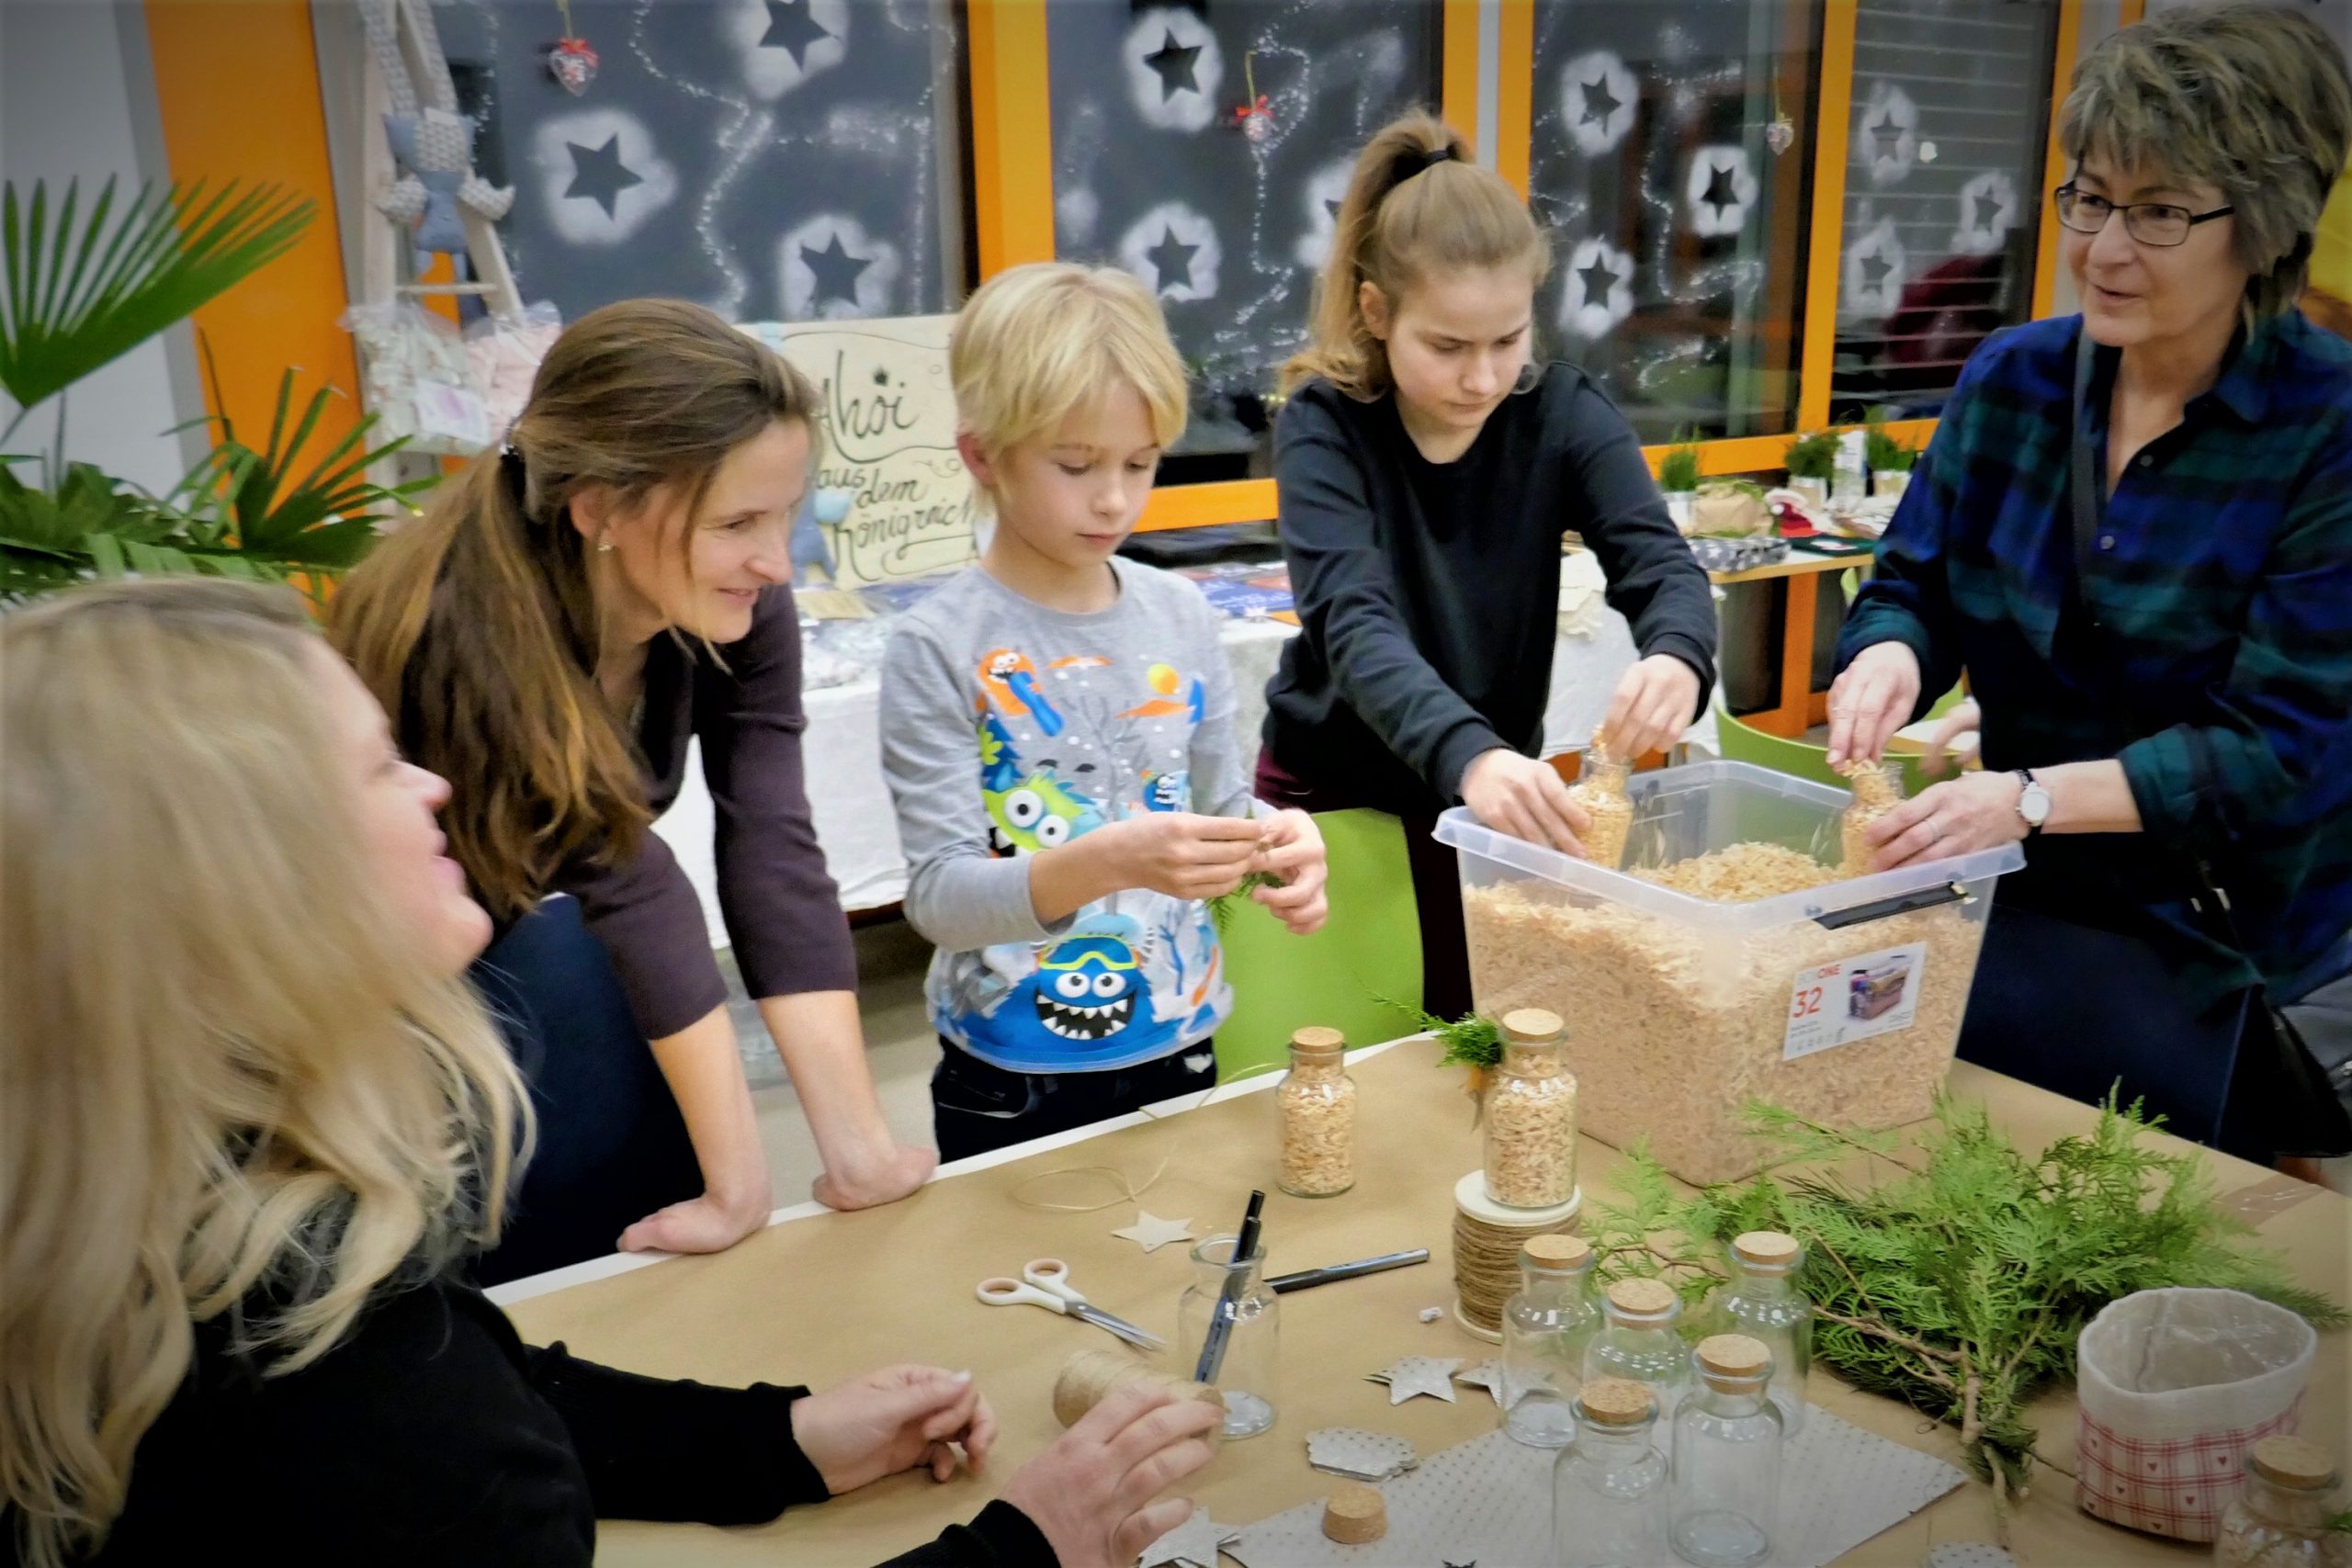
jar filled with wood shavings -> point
(1530, 1115)
(1878, 789)
(1316, 1103)
(1600, 790)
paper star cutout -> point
(1722, 190)
(1359, 1455)
(1600, 103)
(792, 28)
(1598, 279)
(598, 174)
(1195, 1541)
(836, 272)
(1151, 1233)
(1172, 260)
(1173, 62)
(1887, 133)
(1487, 1375)
(1432, 1375)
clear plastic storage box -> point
(1840, 1001)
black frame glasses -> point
(2161, 223)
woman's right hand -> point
(1091, 1494)
(1962, 718)
(1525, 798)
(1873, 698)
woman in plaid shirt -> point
(2163, 657)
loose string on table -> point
(1123, 1190)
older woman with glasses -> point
(2133, 534)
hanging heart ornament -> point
(1781, 134)
(573, 64)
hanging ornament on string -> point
(571, 62)
(1781, 134)
(1256, 116)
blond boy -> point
(1058, 730)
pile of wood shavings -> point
(1743, 874)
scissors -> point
(1048, 1286)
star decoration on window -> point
(1886, 136)
(1597, 292)
(792, 28)
(1173, 63)
(835, 271)
(1988, 210)
(1598, 102)
(1875, 269)
(1720, 190)
(598, 174)
(1173, 260)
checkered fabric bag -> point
(2175, 1388)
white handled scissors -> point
(1048, 1285)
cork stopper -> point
(1353, 1516)
(1532, 1026)
(1734, 1357)
(1317, 1041)
(1768, 1248)
(1642, 1298)
(2294, 1462)
(1615, 1401)
(1556, 1253)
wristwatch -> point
(2033, 802)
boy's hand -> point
(1294, 855)
(1179, 853)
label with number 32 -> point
(1854, 998)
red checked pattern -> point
(2170, 1486)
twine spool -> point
(1487, 1239)
(1091, 1376)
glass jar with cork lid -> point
(1762, 1300)
(1609, 1486)
(1638, 1342)
(1724, 1495)
(1600, 790)
(1878, 789)
(1316, 1105)
(1530, 1115)
(2281, 1521)
(1546, 1329)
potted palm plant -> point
(84, 288)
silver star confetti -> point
(1487, 1375)
(1194, 1543)
(1359, 1455)
(1432, 1375)
(1151, 1233)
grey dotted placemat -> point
(1489, 1501)
(1969, 1554)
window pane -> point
(774, 161)
(1943, 193)
(1229, 221)
(1671, 148)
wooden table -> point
(1800, 706)
(822, 1296)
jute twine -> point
(1091, 1376)
(1485, 1252)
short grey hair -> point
(2250, 99)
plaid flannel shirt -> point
(2209, 649)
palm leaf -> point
(80, 294)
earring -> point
(604, 547)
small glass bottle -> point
(2279, 1519)
(1763, 1303)
(1316, 1103)
(1530, 1115)
(1245, 1375)
(1724, 1497)
(1609, 1486)
(1600, 790)
(1637, 1342)
(1546, 1329)
(1878, 789)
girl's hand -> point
(1656, 702)
(893, 1419)
(1525, 798)
(1872, 699)
(899, 1171)
(1978, 811)
(1294, 854)
(1965, 719)
(1180, 853)
(708, 1223)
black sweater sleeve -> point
(1654, 581)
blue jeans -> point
(977, 1107)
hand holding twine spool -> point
(1091, 1376)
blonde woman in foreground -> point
(253, 1124)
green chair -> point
(1370, 947)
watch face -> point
(2033, 805)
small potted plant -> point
(1812, 462)
(1678, 476)
(1890, 460)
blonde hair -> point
(1036, 342)
(227, 1068)
(1416, 207)
(2251, 99)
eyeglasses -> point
(2149, 222)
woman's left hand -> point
(1656, 702)
(892, 1420)
(1978, 811)
(1293, 852)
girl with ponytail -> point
(1427, 468)
(572, 611)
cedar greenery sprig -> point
(1223, 907)
(1471, 1041)
(1959, 1284)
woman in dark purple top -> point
(574, 611)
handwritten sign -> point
(889, 419)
